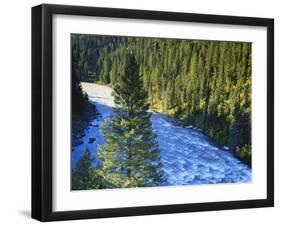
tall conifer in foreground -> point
(130, 156)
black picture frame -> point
(42, 111)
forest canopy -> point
(206, 84)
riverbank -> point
(80, 123)
(100, 97)
(188, 156)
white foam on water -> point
(188, 156)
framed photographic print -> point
(146, 112)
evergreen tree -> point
(84, 175)
(130, 156)
(235, 130)
(77, 96)
(195, 81)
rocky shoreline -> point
(80, 123)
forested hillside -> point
(206, 84)
(82, 110)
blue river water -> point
(188, 156)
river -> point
(188, 156)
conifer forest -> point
(158, 112)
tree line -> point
(206, 84)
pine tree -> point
(234, 131)
(77, 96)
(130, 156)
(84, 175)
(192, 80)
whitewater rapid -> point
(188, 156)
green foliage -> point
(79, 99)
(130, 156)
(245, 153)
(203, 83)
(84, 175)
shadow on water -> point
(191, 157)
(93, 136)
(188, 155)
(181, 124)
